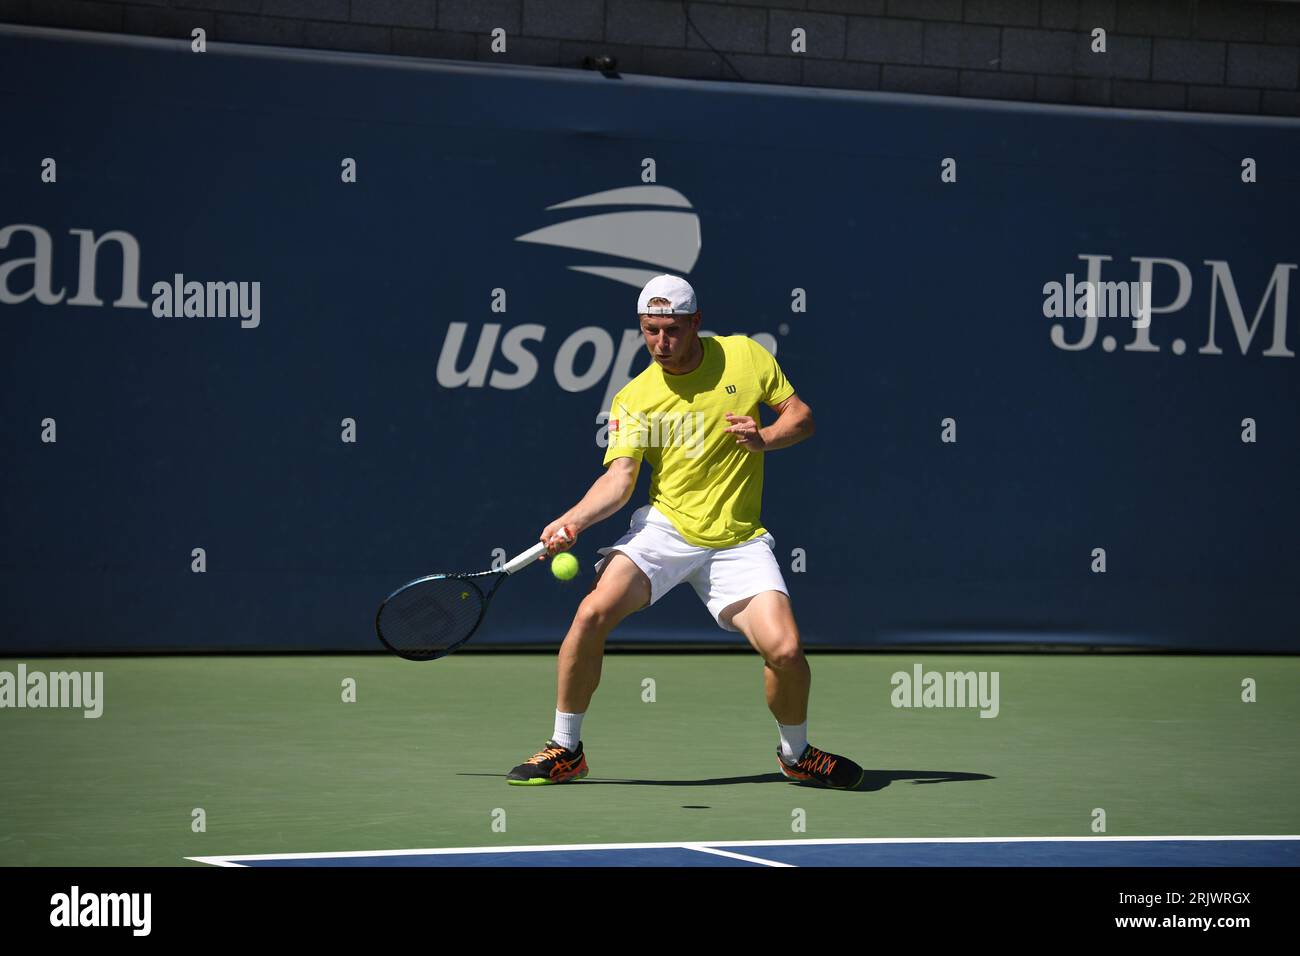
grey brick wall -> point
(1231, 56)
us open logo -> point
(665, 237)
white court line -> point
(735, 856)
(438, 851)
(1017, 839)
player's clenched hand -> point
(746, 431)
(553, 538)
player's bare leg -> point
(767, 621)
(619, 589)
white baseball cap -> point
(673, 288)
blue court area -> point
(1098, 851)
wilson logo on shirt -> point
(731, 390)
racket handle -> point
(532, 554)
(525, 559)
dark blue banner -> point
(286, 329)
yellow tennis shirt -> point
(707, 485)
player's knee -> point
(596, 613)
(784, 654)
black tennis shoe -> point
(551, 764)
(818, 766)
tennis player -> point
(693, 414)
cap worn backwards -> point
(673, 288)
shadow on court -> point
(872, 781)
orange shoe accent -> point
(545, 754)
(567, 768)
(814, 761)
(791, 772)
(817, 761)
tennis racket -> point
(434, 615)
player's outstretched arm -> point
(793, 424)
(608, 494)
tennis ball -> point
(564, 566)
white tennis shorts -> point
(720, 576)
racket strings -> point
(429, 617)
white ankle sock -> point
(794, 740)
(568, 729)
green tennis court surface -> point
(267, 748)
